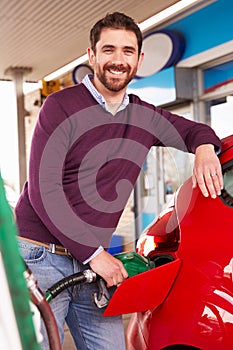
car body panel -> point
(198, 309)
(154, 284)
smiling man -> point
(88, 147)
(115, 59)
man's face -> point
(115, 61)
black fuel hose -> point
(86, 276)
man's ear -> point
(91, 56)
(140, 59)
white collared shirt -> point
(87, 81)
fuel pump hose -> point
(38, 298)
(86, 276)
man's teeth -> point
(116, 72)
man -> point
(89, 144)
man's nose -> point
(118, 57)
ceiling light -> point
(68, 67)
(166, 14)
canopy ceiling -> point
(44, 35)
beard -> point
(115, 84)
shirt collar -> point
(87, 81)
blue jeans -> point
(88, 327)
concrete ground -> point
(68, 342)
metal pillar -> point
(137, 210)
(17, 74)
(199, 112)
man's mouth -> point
(116, 72)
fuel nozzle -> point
(135, 263)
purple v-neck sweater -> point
(84, 163)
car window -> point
(227, 192)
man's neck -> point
(113, 107)
(113, 98)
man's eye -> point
(129, 52)
(107, 50)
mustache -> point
(117, 67)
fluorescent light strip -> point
(166, 14)
(148, 23)
(68, 67)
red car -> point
(186, 300)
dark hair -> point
(115, 20)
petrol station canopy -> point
(44, 35)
